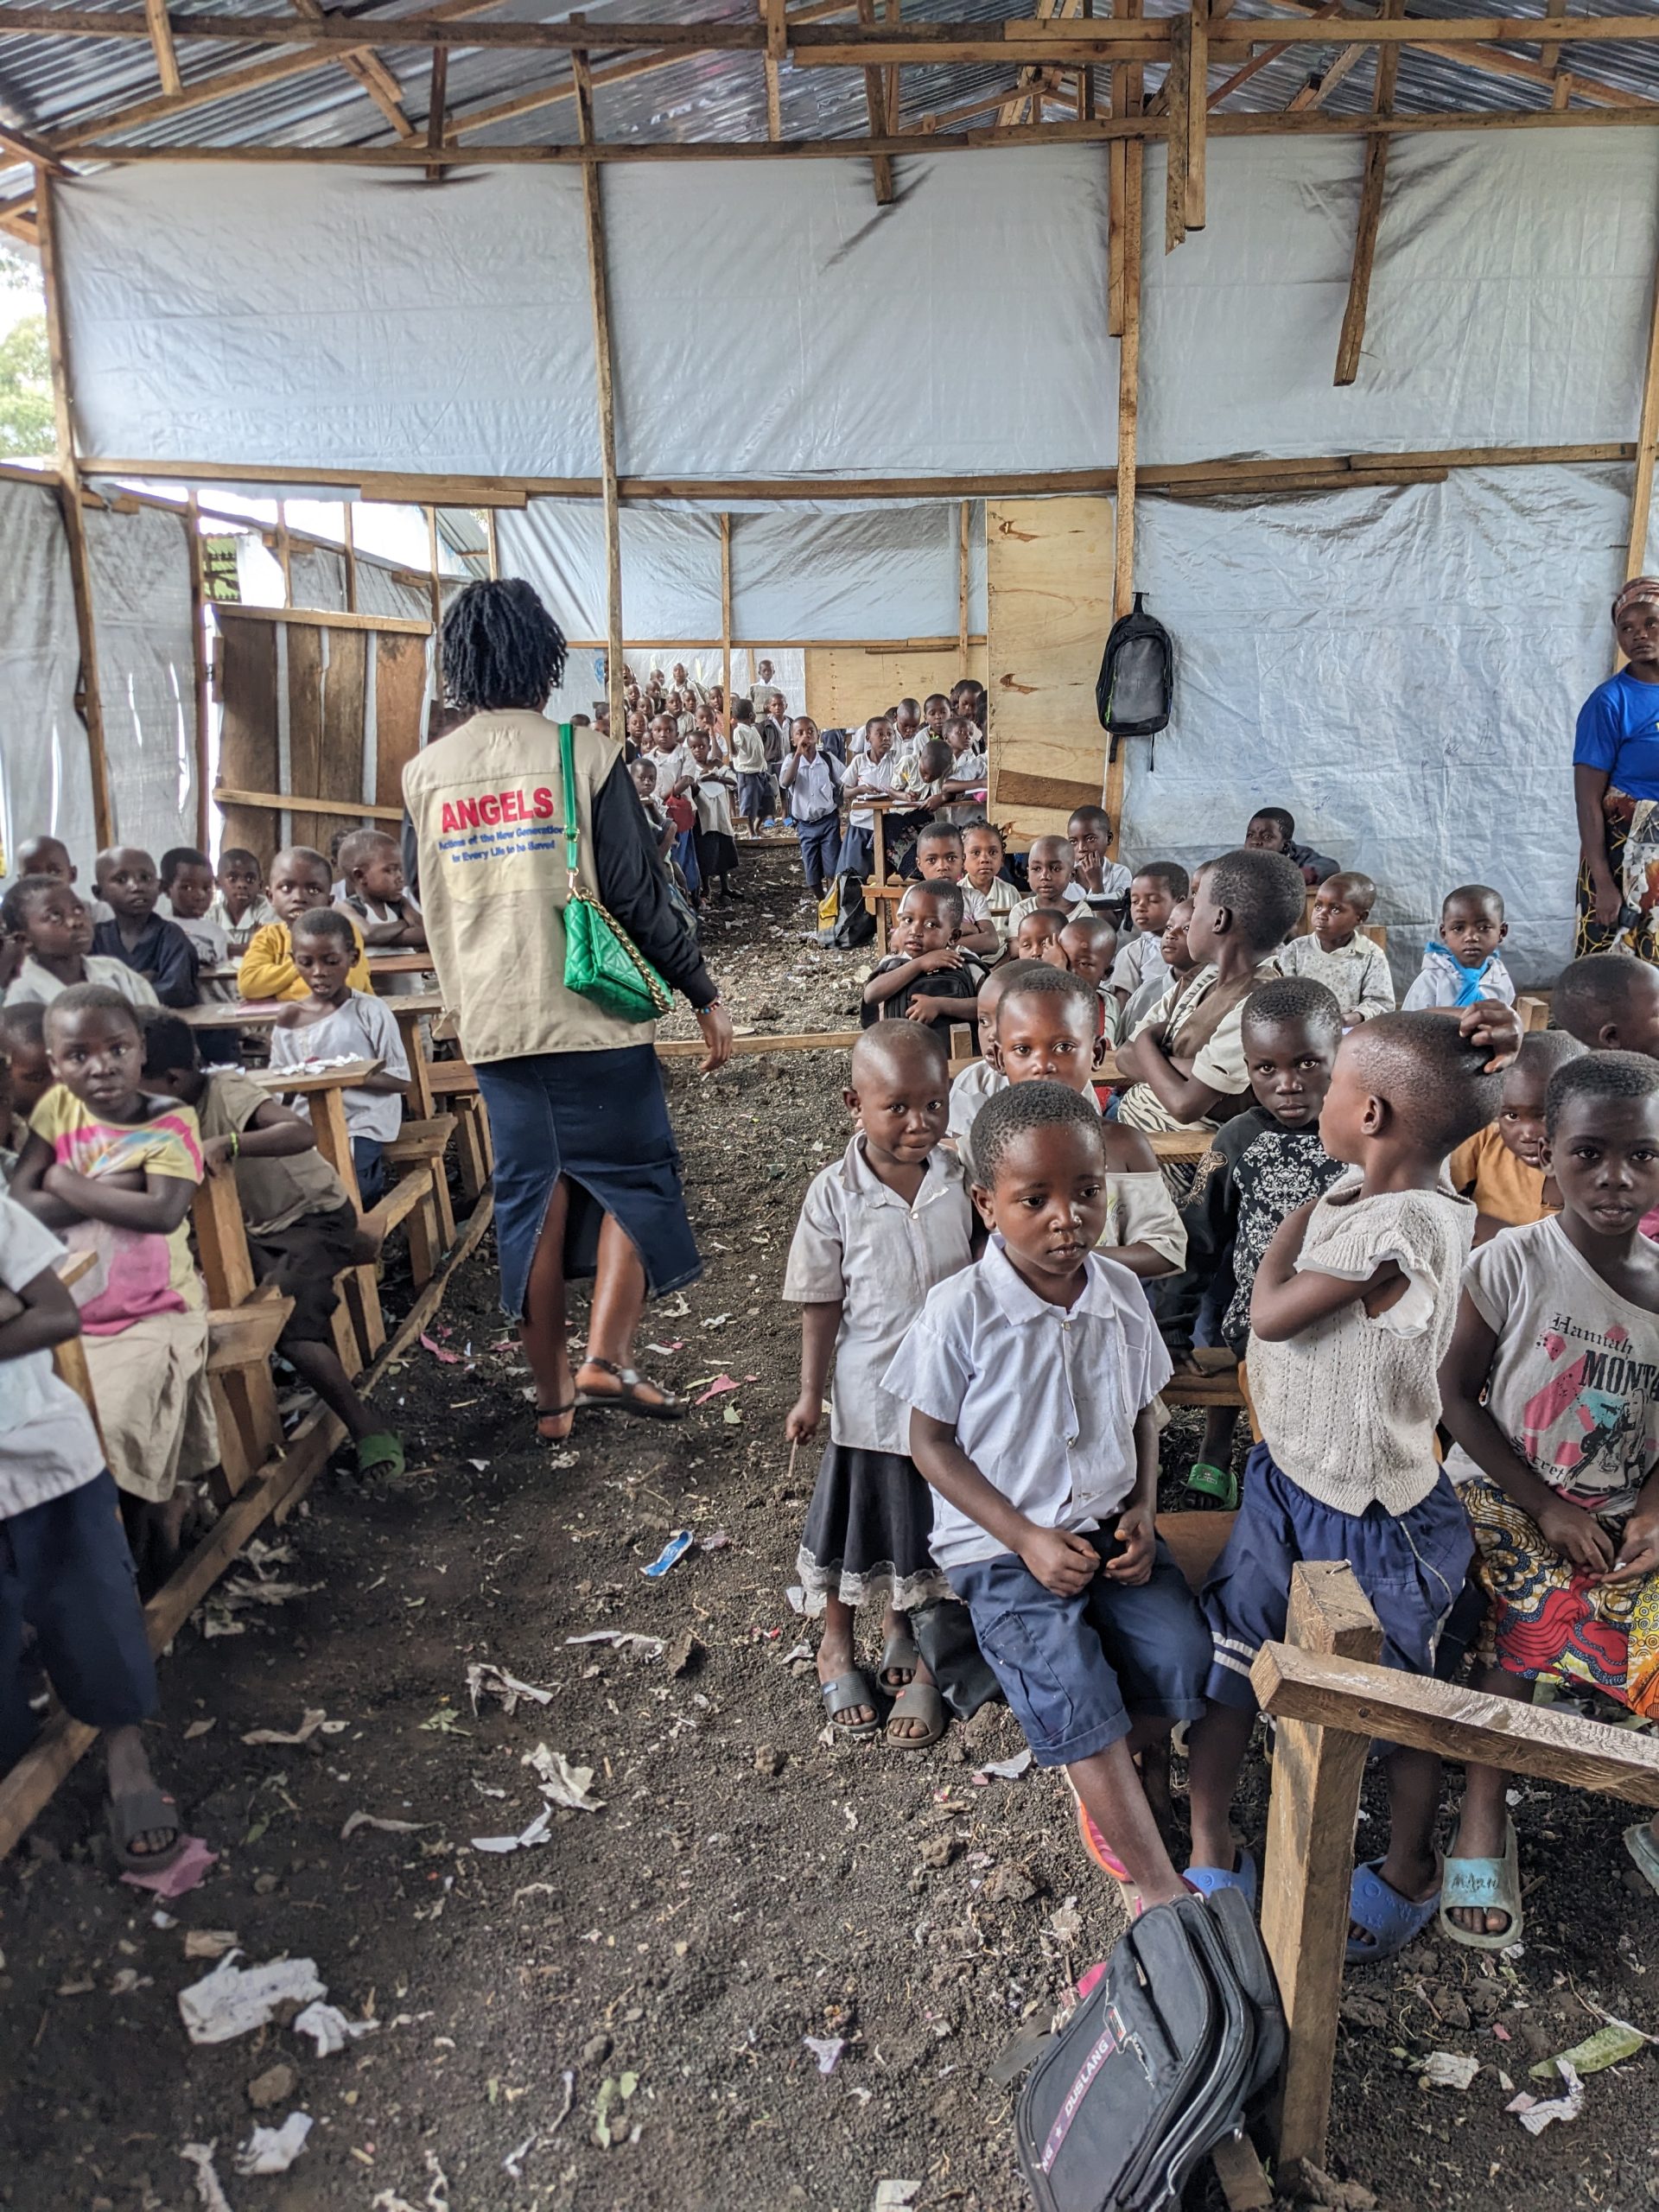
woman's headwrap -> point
(1638, 590)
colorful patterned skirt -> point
(1632, 832)
(1549, 1620)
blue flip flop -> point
(1389, 1919)
(1240, 1875)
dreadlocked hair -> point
(501, 647)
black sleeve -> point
(411, 845)
(634, 886)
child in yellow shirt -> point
(300, 881)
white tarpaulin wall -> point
(45, 778)
(780, 324)
(802, 572)
(1400, 668)
(147, 674)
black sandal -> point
(553, 1413)
(627, 1399)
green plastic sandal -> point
(1209, 1481)
(380, 1454)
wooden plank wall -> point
(1049, 578)
(845, 685)
(245, 673)
(330, 667)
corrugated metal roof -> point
(48, 87)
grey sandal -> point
(144, 1812)
(844, 1695)
(918, 1701)
(898, 1656)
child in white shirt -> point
(1463, 964)
(1032, 1378)
(878, 1229)
(1104, 882)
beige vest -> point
(488, 806)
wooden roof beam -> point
(365, 69)
(875, 103)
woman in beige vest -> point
(587, 1175)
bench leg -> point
(359, 1326)
(469, 1152)
(424, 1249)
(446, 1212)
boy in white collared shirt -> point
(1031, 1379)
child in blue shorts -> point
(1031, 1378)
(1352, 1313)
(65, 1567)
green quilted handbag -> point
(601, 962)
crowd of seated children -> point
(53, 929)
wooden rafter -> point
(1352, 338)
(436, 99)
(367, 70)
(1186, 89)
(161, 37)
(1323, 82)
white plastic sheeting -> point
(44, 776)
(342, 320)
(1400, 668)
(769, 326)
(782, 324)
(799, 571)
(1509, 305)
(147, 674)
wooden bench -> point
(243, 1322)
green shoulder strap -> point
(568, 770)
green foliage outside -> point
(26, 427)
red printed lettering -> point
(468, 810)
(542, 799)
(512, 806)
(489, 809)
(449, 821)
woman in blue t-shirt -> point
(1616, 785)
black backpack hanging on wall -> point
(1132, 691)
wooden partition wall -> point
(1048, 565)
(845, 684)
(320, 712)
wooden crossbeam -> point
(875, 103)
(365, 69)
(1323, 82)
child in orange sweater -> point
(302, 881)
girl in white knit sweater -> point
(1352, 1311)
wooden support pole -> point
(284, 552)
(771, 15)
(1129, 379)
(962, 587)
(876, 105)
(1352, 340)
(1647, 431)
(726, 624)
(493, 543)
(437, 100)
(599, 290)
(198, 657)
(1309, 1855)
(348, 541)
(895, 18)
(161, 37)
(434, 586)
(91, 699)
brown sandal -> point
(626, 1400)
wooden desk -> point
(398, 963)
(232, 1013)
(322, 1091)
(408, 1010)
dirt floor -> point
(765, 1972)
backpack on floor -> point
(1133, 689)
(1171, 2052)
(844, 921)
